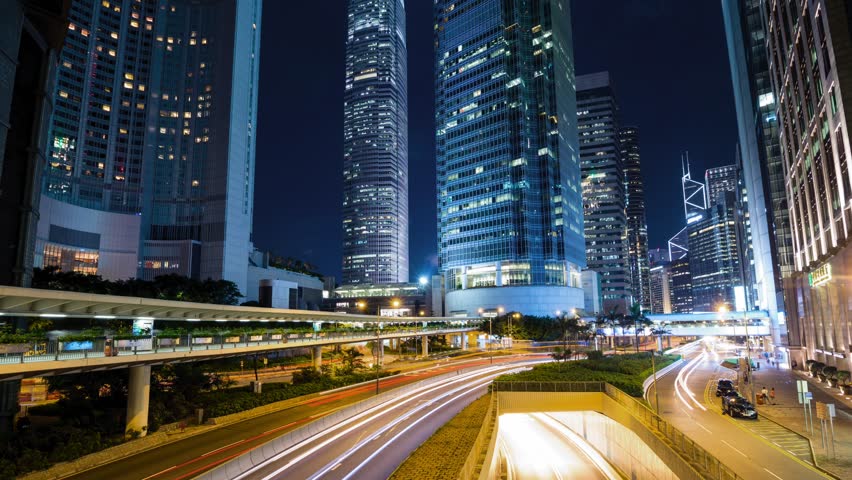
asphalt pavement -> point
(372, 444)
(192, 456)
(688, 401)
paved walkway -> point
(790, 413)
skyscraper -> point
(721, 179)
(681, 285)
(199, 164)
(714, 256)
(637, 227)
(375, 144)
(151, 149)
(809, 49)
(604, 195)
(660, 288)
(510, 226)
(694, 193)
(32, 38)
(760, 153)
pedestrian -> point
(765, 393)
(772, 396)
(758, 365)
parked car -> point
(738, 406)
(724, 386)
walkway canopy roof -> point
(54, 303)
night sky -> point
(667, 58)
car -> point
(724, 386)
(738, 406)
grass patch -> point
(442, 456)
(625, 372)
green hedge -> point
(442, 456)
(625, 372)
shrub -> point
(595, 355)
(625, 372)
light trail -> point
(406, 429)
(681, 385)
(368, 416)
(537, 449)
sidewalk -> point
(788, 412)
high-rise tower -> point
(151, 149)
(375, 144)
(604, 190)
(762, 162)
(510, 213)
(637, 226)
(809, 52)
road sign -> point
(822, 412)
(831, 412)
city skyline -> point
(660, 120)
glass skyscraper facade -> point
(151, 149)
(375, 144)
(714, 255)
(760, 154)
(637, 226)
(510, 219)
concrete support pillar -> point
(138, 391)
(660, 343)
(424, 340)
(9, 390)
(498, 280)
(463, 341)
(317, 358)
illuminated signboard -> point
(820, 275)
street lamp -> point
(516, 316)
(488, 340)
(363, 306)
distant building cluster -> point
(139, 161)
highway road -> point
(537, 446)
(373, 443)
(192, 456)
(753, 448)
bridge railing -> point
(99, 347)
(706, 464)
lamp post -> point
(516, 316)
(363, 306)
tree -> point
(610, 320)
(637, 318)
(351, 360)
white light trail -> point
(370, 414)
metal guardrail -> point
(54, 350)
(706, 464)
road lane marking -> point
(705, 428)
(162, 472)
(336, 466)
(220, 448)
(770, 472)
(735, 449)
